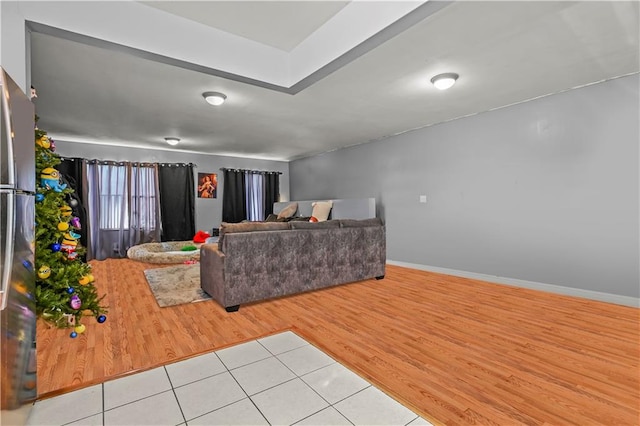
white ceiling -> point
(280, 24)
(505, 53)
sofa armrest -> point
(212, 272)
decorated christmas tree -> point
(65, 290)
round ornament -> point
(39, 197)
(63, 226)
(102, 318)
(91, 278)
(70, 290)
(84, 280)
(73, 335)
(80, 328)
(44, 142)
(44, 272)
(75, 302)
(75, 222)
(73, 202)
(55, 247)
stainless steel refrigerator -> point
(17, 247)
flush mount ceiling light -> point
(444, 81)
(214, 98)
(172, 141)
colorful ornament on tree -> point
(55, 247)
(73, 202)
(80, 328)
(69, 242)
(102, 318)
(50, 179)
(71, 320)
(65, 211)
(44, 272)
(73, 335)
(84, 280)
(75, 302)
(39, 197)
(44, 142)
(63, 226)
(75, 222)
(70, 290)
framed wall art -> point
(207, 185)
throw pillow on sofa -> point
(288, 211)
(321, 210)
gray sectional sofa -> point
(258, 261)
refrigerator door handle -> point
(8, 127)
(8, 252)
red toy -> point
(200, 237)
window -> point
(127, 195)
(143, 199)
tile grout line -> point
(306, 384)
(173, 390)
(245, 392)
(341, 413)
(85, 417)
(408, 423)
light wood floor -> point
(455, 350)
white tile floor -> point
(277, 380)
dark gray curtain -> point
(233, 196)
(271, 191)
(177, 201)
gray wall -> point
(544, 191)
(208, 211)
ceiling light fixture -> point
(172, 141)
(444, 81)
(214, 98)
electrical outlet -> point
(423, 198)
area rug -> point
(176, 285)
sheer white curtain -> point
(123, 199)
(143, 207)
(254, 196)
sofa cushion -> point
(321, 210)
(360, 223)
(315, 225)
(288, 211)
(230, 228)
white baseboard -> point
(568, 291)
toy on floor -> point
(200, 237)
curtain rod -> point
(122, 163)
(265, 172)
